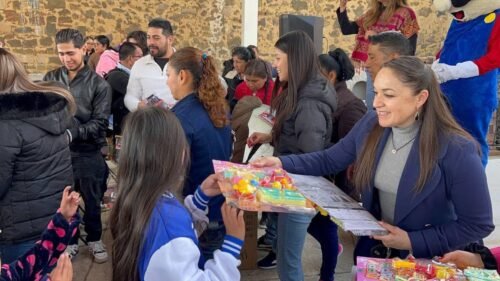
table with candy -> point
(255, 189)
(371, 269)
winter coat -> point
(93, 99)
(107, 62)
(452, 210)
(349, 110)
(118, 80)
(206, 143)
(239, 124)
(35, 162)
(309, 128)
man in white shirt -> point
(148, 77)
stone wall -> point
(28, 26)
(433, 26)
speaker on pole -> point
(311, 25)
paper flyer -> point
(344, 210)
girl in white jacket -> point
(154, 236)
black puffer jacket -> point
(310, 126)
(35, 162)
(93, 99)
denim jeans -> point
(90, 173)
(292, 230)
(323, 229)
(370, 92)
(271, 231)
(10, 253)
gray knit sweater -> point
(390, 167)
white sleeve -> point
(178, 260)
(199, 216)
(134, 90)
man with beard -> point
(86, 134)
(148, 78)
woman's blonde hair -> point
(378, 11)
(14, 79)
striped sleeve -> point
(232, 245)
(200, 200)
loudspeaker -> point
(311, 25)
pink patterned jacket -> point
(35, 263)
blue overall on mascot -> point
(468, 63)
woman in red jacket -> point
(258, 82)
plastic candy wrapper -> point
(254, 189)
(411, 269)
(275, 190)
(475, 274)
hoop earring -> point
(417, 116)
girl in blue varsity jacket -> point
(154, 236)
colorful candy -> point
(250, 187)
(411, 269)
(475, 274)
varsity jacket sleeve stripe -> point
(179, 258)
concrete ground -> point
(86, 270)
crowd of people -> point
(401, 153)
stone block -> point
(5, 27)
(30, 43)
(54, 60)
(89, 14)
(82, 29)
(14, 43)
(46, 42)
(56, 4)
(299, 5)
(51, 29)
(65, 21)
(11, 16)
(24, 29)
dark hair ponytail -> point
(104, 40)
(244, 53)
(339, 62)
(206, 81)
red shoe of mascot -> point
(468, 63)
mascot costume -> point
(468, 63)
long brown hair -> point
(377, 11)
(436, 123)
(206, 82)
(14, 79)
(153, 161)
(303, 65)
